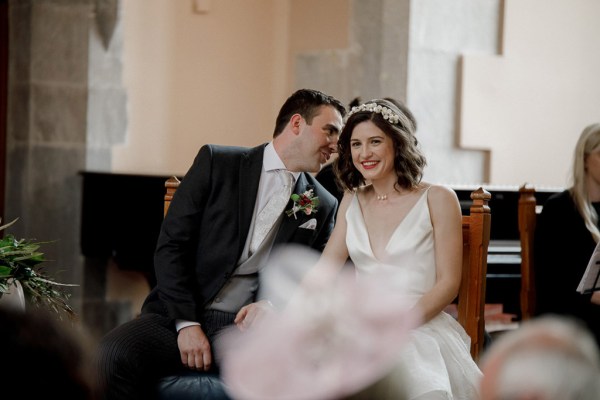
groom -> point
(214, 241)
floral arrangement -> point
(305, 202)
(20, 261)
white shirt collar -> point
(272, 161)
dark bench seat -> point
(192, 385)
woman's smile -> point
(369, 164)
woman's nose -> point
(365, 152)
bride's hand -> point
(252, 314)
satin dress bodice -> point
(408, 260)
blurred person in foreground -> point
(41, 358)
(547, 358)
(566, 235)
(340, 343)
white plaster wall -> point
(529, 104)
(440, 32)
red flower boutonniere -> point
(304, 202)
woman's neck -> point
(384, 187)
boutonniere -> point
(305, 202)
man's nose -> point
(333, 143)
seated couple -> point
(218, 235)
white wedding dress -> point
(436, 362)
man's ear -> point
(296, 122)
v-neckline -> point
(364, 223)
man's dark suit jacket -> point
(205, 230)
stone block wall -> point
(63, 83)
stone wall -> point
(411, 50)
(63, 87)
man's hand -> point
(194, 348)
(252, 313)
(596, 298)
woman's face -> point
(592, 165)
(372, 151)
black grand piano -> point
(120, 222)
(121, 218)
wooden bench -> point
(476, 239)
(527, 220)
(471, 297)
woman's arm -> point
(335, 253)
(447, 232)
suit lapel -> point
(250, 170)
(290, 224)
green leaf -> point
(19, 260)
(31, 256)
(5, 271)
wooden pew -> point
(476, 240)
(527, 221)
(471, 296)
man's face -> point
(318, 140)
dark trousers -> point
(133, 356)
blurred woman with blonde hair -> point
(566, 235)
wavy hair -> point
(589, 141)
(409, 161)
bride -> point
(409, 232)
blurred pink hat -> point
(327, 343)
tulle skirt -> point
(437, 364)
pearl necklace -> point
(381, 197)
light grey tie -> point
(272, 210)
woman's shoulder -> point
(361, 192)
(561, 196)
(347, 199)
(559, 206)
(437, 191)
(560, 199)
(442, 200)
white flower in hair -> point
(387, 113)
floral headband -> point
(385, 112)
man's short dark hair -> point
(305, 102)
